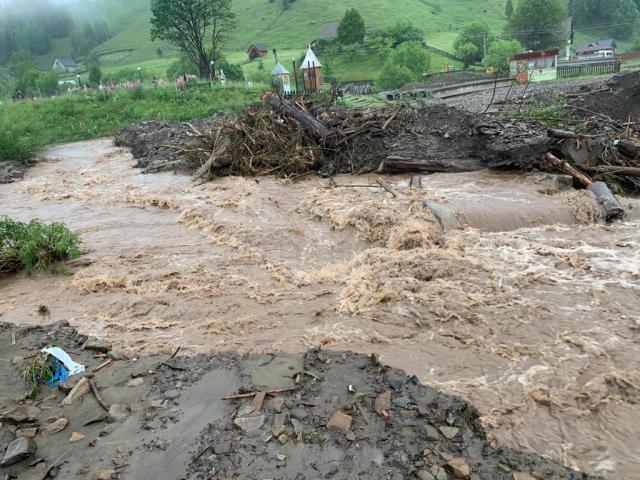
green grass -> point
(35, 245)
(28, 126)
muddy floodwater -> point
(496, 287)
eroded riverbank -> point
(537, 327)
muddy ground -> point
(342, 415)
(528, 311)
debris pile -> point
(291, 138)
(300, 416)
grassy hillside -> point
(267, 22)
(290, 30)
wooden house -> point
(257, 50)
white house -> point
(601, 48)
(64, 65)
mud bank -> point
(517, 301)
(335, 415)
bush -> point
(95, 74)
(47, 83)
(14, 145)
(35, 246)
(405, 64)
(180, 67)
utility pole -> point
(484, 44)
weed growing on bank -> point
(27, 126)
(35, 246)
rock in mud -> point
(104, 475)
(19, 449)
(459, 467)
(424, 475)
(21, 415)
(250, 424)
(340, 422)
(97, 345)
(26, 432)
(449, 432)
(57, 425)
(117, 413)
(76, 437)
(117, 355)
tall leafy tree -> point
(398, 34)
(351, 29)
(621, 16)
(405, 64)
(508, 8)
(198, 28)
(536, 23)
(476, 34)
(500, 54)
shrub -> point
(405, 64)
(35, 245)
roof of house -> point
(330, 30)
(310, 60)
(279, 70)
(258, 46)
(67, 62)
(595, 46)
(532, 55)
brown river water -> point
(496, 287)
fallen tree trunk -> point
(614, 170)
(553, 162)
(629, 148)
(554, 133)
(395, 164)
(605, 197)
(312, 124)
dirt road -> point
(536, 326)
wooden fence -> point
(578, 69)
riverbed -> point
(502, 288)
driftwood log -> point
(604, 196)
(312, 124)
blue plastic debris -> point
(60, 373)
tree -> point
(508, 8)
(95, 74)
(536, 23)
(468, 52)
(47, 83)
(232, 72)
(405, 64)
(398, 34)
(621, 15)
(500, 53)
(477, 34)
(182, 66)
(351, 29)
(625, 19)
(198, 28)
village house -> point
(599, 49)
(64, 65)
(257, 50)
(535, 66)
